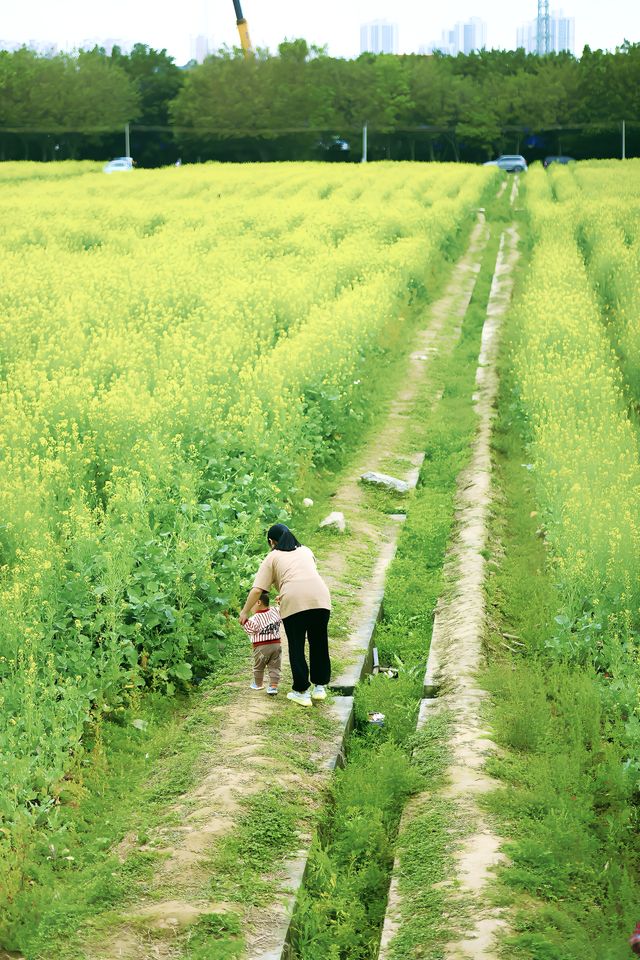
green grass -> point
(215, 936)
(74, 875)
(425, 852)
(566, 801)
(292, 734)
(266, 831)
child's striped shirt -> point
(264, 626)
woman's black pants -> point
(312, 624)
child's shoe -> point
(302, 698)
(254, 686)
(318, 693)
(272, 691)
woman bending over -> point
(305, 606)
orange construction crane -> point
(243, 30)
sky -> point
(172, 24)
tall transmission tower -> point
(543, 28)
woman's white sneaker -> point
(318, 693)
(302, 698)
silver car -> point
(511, 162)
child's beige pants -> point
(267, 656)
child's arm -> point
(250, 627)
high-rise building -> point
(200, 48)
(379, 37)
(562, 34)
(475, 35)
(527, 35)
(202, 42)
(464, 37)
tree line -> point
(300, 103)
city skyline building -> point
(465, 37)
(562, 34)
(379, 36)
(201, 47)
(527, 36)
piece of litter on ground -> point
(335, 520)
(307, 502)
(384, 480)
(376, 719)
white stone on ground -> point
(335, 520)
(384, 480)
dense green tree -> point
(610, 84)
(300, 103)
(157, 81)
(155, 77)
(63, 94)
(17, 84)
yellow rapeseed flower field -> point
(177, 348)
(578, 365)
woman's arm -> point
(252, 599)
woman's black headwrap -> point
(282, 537)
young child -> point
(263, 628)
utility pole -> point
(624, 140)
(543, 28)
(127, 141)
(364, 144)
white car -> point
(120, 163)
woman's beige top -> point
(296, 579)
